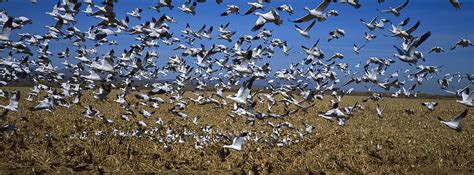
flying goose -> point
(237, 142)
(336, 34)
(315, 13)
(305, 32)
(357, 49)
(406, 34)
(334, 113)
(353, 3)
(369, 37)
(135, 13)
(436, 49)
(463, 42)
(90, 112)
(466, 97)
(409, 54)
(7, 29)
(286, 8)
(231, 9)
(271, 16)
(254, 6)
(190, 9)
(313, 52)
(244, 92)
(372, 25)
(454, 123)
(46, 104)
(163, 3)
(14, 102)
(456, 4)
(396, 11)
(56, 29)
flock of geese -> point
(217, 68)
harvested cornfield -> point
(66, 141)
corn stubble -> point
(50, 142)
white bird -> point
(271, 16)
(354, 3)
(372, 25)
(163, 3)
(357, 49)
(90, 112)
(396, 11)
(369, 37)
(286, 8)
(410, 55)
(46, 104)
(244, 92)
(397, 31)
(334, 113)
(255, 6)
(463, 42)
(430, 105)
(454, 123)
(308, 128)
(237, 142)
(436, 49)
(14, 103)
(336, 34)
(191, 9)
(231, 9)
(146, 114)
(135, 13)
(466, 97)
(305, 32)
(350, 110)
(7, 29)
(315, 13)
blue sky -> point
(438, 16)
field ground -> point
(367, 144)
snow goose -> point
(454, 123)
(430, 105)
(463, 42)
(286, 8)
(466, 97)
(237, 142)
(254, 6)
(396, 11)
(305, 32)
(14, 102)
(271, 16)
(7, 29)
(315, 13)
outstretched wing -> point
(413, 28)
(310, 26)
(250, 10)
(402, 6)
(321, 7)
(400, 51)
(458, 119)
(304, 18)
(259, 24)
